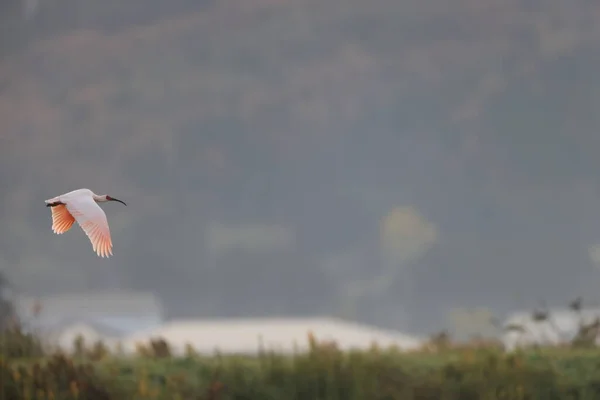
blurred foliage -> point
(255, 238)
(7, 309)
(441, 369)
(56, 378)
(406, 235)
(474, 371)
(17, 344)
(468, 323)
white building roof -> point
(91, 333)
(247, 336)
(562, 325)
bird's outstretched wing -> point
(93, 221)
(62, 220)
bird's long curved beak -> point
(113, 199)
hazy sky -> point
(261, 146)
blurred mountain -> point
(306, 120)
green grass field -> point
(323, 373)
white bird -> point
(81, 205)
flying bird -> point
(81, 205)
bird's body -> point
(81, 205)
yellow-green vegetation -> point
(324, 372)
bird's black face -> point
(113, 199)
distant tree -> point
(470, 323)
(15, 343)
(7, 311)
(405, 236)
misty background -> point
(382, 161)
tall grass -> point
(324, 372)
(440, 370)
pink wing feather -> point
(93, 221)
(62, 220)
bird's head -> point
(109, 198)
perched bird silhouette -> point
(81, 205)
